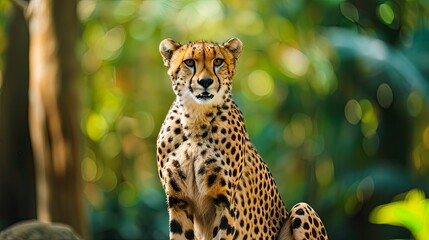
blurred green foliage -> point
(334, 93)
(411, 213)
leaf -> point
(411, 213)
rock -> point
(35, 230)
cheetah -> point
(216, 183)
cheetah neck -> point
(196, 119)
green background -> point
(334, 93)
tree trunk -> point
(17, 188)
(53, 113)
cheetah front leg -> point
(181, 219)
(303, 223)
(218, 210)
(180, 209)
(224, 227)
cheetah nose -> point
(205, 82)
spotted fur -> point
(217, 185)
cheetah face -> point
(201, 72)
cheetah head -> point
(201, 71)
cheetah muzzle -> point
(217, 185)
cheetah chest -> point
(198, 169)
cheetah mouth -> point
(205, 96)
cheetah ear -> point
(166, 48)
(234, 45)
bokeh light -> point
(385, 12)
(353, 111)
(384, 95)
(260, 83)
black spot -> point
(306, 226)
(236, 235)
(296, 223)
(173, 201)
(177, 131)
(221, 199)
(223, 131)
(175, 227)
(214, 129)
(210, 161)
(300, 212)
(174, 185)
(182, 175)
(222, 182)
(189, 216)
(228, 145)
(211, 179)
(176, 163)
(189, 234)
(314, 232)
(223, 118)
(223, 223)
(256, 230)
(215, 231)
(203, 152)
(241, 223)
(233, 150)
(229, 230)
(205, 134)
(201, 170)
(316, 223)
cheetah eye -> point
(217, 62)
(189, 62)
